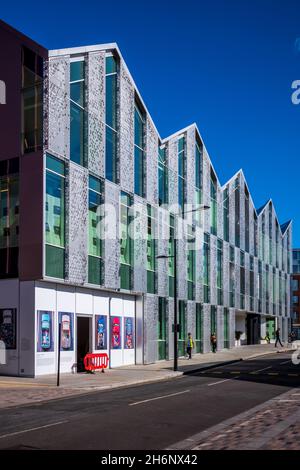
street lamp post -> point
(176, 325)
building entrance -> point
(83, 340)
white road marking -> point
(159, 398)
(219, 382)
(260, 370)
(285, 362)
(32, 429)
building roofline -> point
(114, 46)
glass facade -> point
(126, 242)
(226, 215)
(199, 328)
(32, 101)
(111, 120)
(55, 217)
(163, 176)
(182, 328)
(151, 250)
(191, 264)
(95, 239)
(220, 272)
(206, 268)
(171, 255)
(9, 218)
(139, 150)
(237, 212)
(226, 329)
(213, 204)
(77, 112)
(162, 328)
(181, 173)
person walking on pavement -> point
(267, 338)
(190, 346)
(277, 335)
(213, 342)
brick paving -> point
(275, 425)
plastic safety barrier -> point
(96, 361)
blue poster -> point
(45, 337)
(101, 332)
(128, 333)
(67, 321)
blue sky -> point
(226, 64)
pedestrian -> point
(190, 346)
(277, 336)
(267, 338)
(213, 342)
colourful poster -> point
(8, 327)
(128, 333)
(101, 332)
(45, 336)
(116, 338)
(67, 321)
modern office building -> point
(75, 134)
(295, 304)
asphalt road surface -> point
(152, 416)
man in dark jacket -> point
(277, 335)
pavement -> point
(252, 403)
(16, 391)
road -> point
(152, 416)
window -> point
(162, 328)
(181, 173)
(111, 83)
(77, 112)
(226, 329)
(198, 166)
(151, 252)
(139, 150)
(32, 101)
(237, 212)
(191, 263)
(270, 233)
(55, 217)
(213, 320)
(220, 272)
(126, 250)
(262, 239)
(171, 248)
(162, 176)
(295, 299)
(295, 284)
(199, 328)
(95, 239)
(226, 214)
(246, 219)
(255, 234)
(182, 328)
(213, 203)
(206, 268)
(9, 217)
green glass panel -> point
(111, 101)
(110, 64)
(94, 271)
(55, 165)
(77, 93)
(125, 277)
(55, 210)
(76, 71)
(151, 282)
(55, 262)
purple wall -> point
(31, 166)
